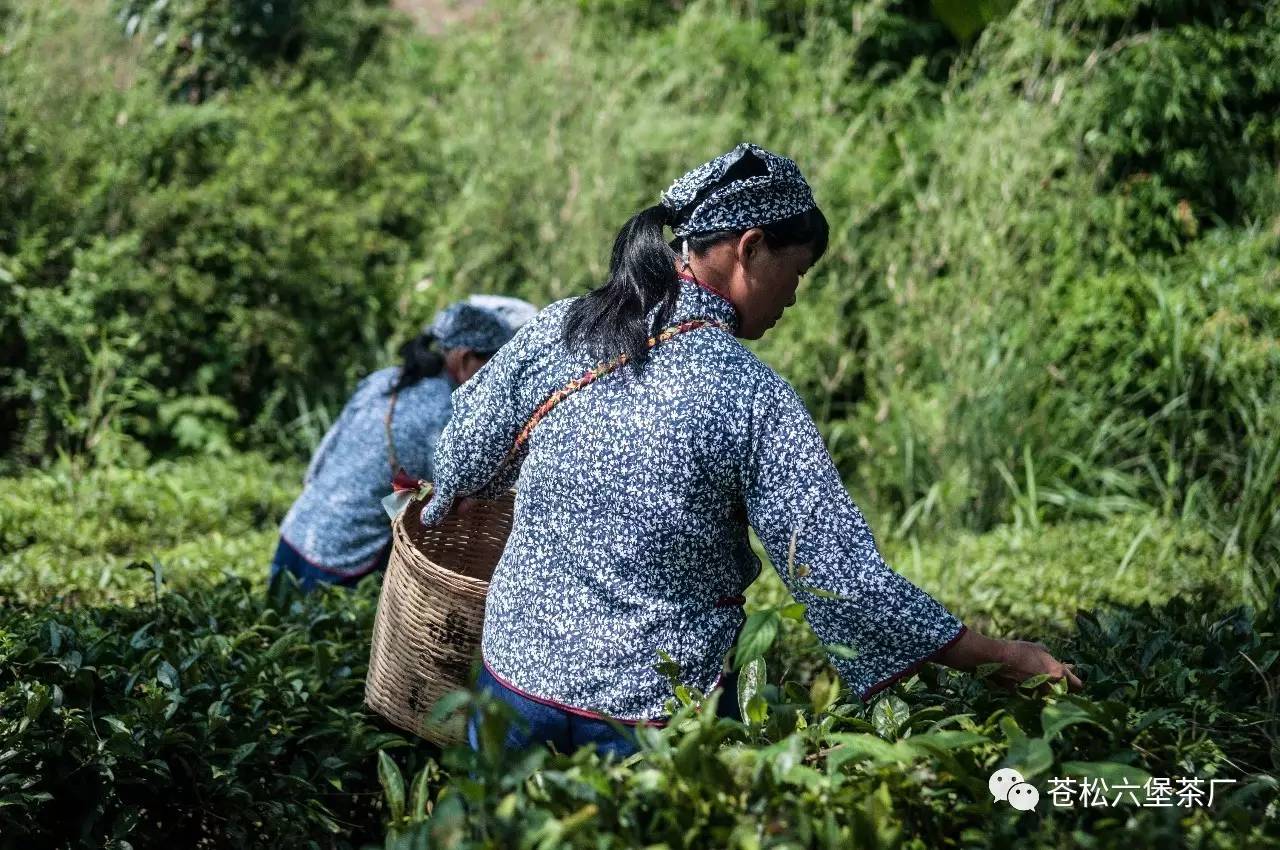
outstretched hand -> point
(1022, 659)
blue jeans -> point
(566, 731)
(309, 575)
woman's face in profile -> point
(462, 363)
(768, 283)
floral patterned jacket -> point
(630, 535)
(337, 523)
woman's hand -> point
(1019, 660)
(1022, 659)
(461, 506)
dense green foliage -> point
(70, 536)
(215, 719)
(193, 704)
(912, 770)
(199, 49)
(1052, 272)
(1044, 347)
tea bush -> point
(218, 719)
(912, 770)
(69, 537)
(154, 692)
(182, 702)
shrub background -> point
(1051, 289)
(1043, 349)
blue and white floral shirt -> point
(631, 520)
(338, 522)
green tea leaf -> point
(750, 680)
(889, 714)
(1059, 715)
(823, 692)
(840, 650)
(392, 785)
(420, 796)
(1030, 756)
(1113, 773)
(794, 611)
(447, 705)
(668, 667)
(167, 675)
(757, 636)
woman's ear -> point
(475, 361)
(462, 363)
(455, 362)
(749, 243)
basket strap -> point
(391, 442)
(591, 376)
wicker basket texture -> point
(426, 634)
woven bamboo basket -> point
(426, 634)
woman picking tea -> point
(659, 439)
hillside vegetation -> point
(1043, 347)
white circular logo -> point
(1024, 796)
(1002, 780)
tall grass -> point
(1050, 293)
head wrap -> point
(739, 204)
(514, 311)
(464, 325)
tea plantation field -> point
(155, 693)
(1043, 348)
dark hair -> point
(803, 229)
(610, 319)
(422, 358)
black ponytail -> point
(421, 359)
(610, 320)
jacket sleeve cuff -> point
(912, 668)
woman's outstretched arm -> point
(825, 553)
(1019, 659)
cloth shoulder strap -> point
(405, 484)
(592, 375)
(391, 441)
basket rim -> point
(404, 548)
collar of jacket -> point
(698, 302)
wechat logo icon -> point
(1007, 785)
